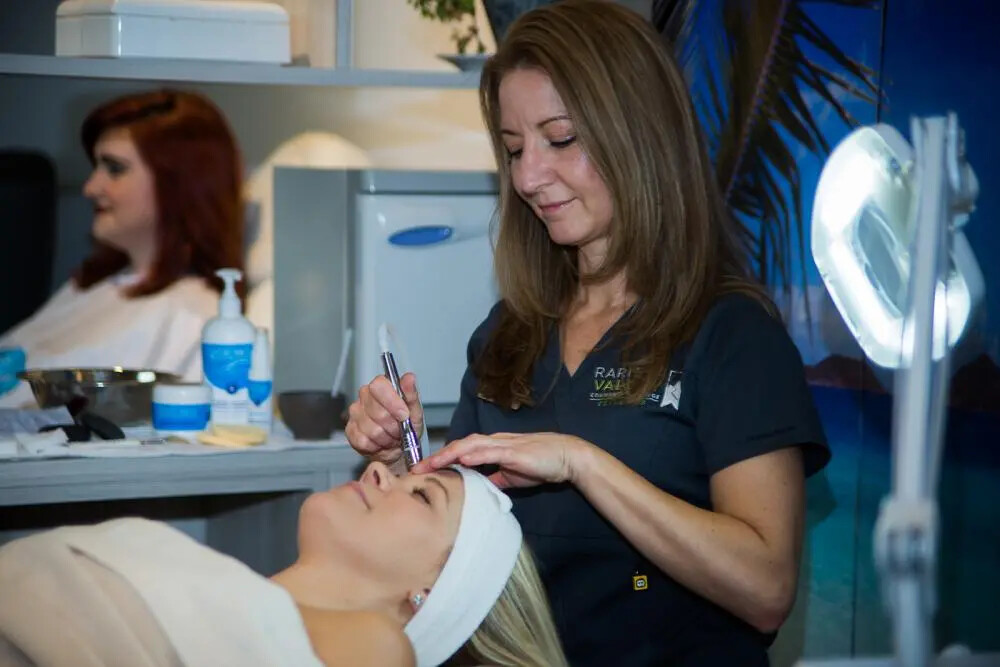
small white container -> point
(188, 29)
(181, 408)
(260, 382)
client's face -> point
(393, 530)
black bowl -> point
(312, 414)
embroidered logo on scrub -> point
(609, 385)
(640, 582)
(672, 390)
(671, 394)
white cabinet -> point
(424, 266)
(356, 248)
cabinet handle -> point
(420, 236)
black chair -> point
(27, 233)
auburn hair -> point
(671, 233)
(185, 141)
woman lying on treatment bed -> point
(434, 559)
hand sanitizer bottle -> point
(261, 408)
(226, 344)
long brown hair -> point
(186, 143)
(671, 233)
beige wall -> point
(432, 128)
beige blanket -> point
(138, 592)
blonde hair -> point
(671, 233)
(519, 630)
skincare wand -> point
(410, 443)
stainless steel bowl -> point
(122, 395)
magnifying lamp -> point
(886, 236)
(863, 230)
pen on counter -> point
(409, 442)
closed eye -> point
(422, 495)
(562, 143)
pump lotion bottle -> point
(226, 348)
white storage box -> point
(190, 29)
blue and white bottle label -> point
(260, 391)
(226, 367)
(227, 371)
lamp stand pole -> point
(907, 528)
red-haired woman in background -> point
(166, 188)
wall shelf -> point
(149, 69)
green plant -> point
(460, 12)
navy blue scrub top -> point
(736, 391)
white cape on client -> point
(138, 592)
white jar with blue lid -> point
(181, 408)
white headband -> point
(480, 563)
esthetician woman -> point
(166, 188)
(634, 389)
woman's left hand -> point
(524, 459)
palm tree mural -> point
(750, 76)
